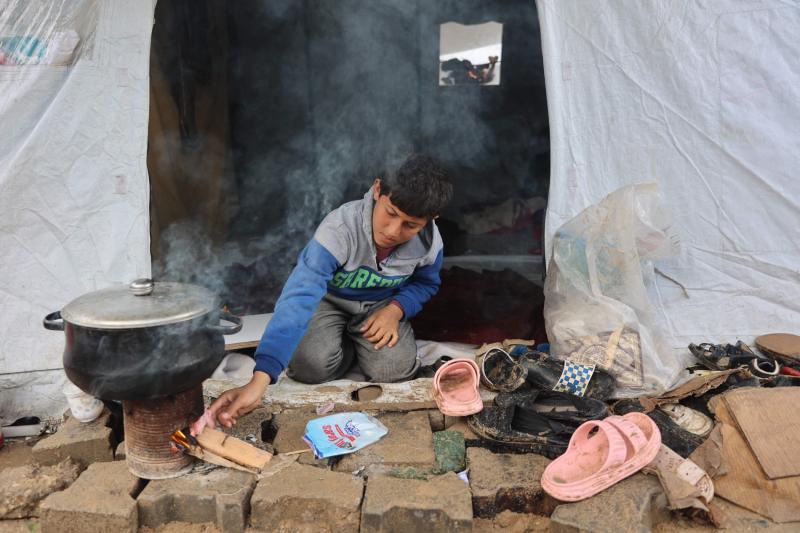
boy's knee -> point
(314, 366)
(308, 374)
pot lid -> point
(144, 303)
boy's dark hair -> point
(420, 187)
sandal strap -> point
(617, 449)
(461, 362)
(631, 432)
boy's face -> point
(390, 226)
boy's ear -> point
(376, 189)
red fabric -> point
(383, 253)
(477, 307)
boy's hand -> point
(381, 326)
(236, 402)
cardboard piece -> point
(227, 447)
(745, 483)
(696, 386)
(780, 345)
(770, 423)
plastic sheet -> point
(597, 310)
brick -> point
(303, 498)
(221, 496)
(501, 481)
(100, 500)
(22, 487)
(85, 443)
(449, 448)
(634, 505)
(409, 443)
(441, 504)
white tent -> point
(703, 97)
(74, 191)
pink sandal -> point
(455, 388)
(601, 453)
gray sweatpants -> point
(333, 342)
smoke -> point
(319, 97)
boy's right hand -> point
(236, 402)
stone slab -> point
(302, 498)
(248, 428)
(409, 443)
(289, 394)
(101, 500)
(502, 481)
(441, 504)
(634, 505)
(85, 443)
(221, 496)
(291, 426)
(23, 487)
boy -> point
(370, 267)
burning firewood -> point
(219, 448)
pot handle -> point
(53, 321)
(235, 327)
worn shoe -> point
(546, 373)
(682, 441)
(528, 420)
(501, 372)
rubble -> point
(23, 487)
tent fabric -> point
(74, 192)
(704, 98)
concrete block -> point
(101, 500)
(634, 505)
(501, 481)
(409, 443)
(23, 487)
(302, 498)
(288, 394)
(441, 504)
(221, 496)
(85, 443)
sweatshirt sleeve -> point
(422, 285)
(301, 294)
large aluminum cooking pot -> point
(147, 340)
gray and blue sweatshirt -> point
(341, 259)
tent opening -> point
(265, 116)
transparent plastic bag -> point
(597, 310)
(342, 433)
